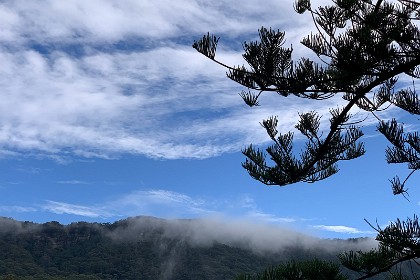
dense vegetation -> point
(120, 250)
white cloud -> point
(31, 170)
(8, 24)
(73, 209)
(342, 229)
(68, 89)
(159, 202)
(255, 213)
(114, 21)
(104, 104)
(157, 99)
(72, 182)
(151, 202)
(269, 217)
(17, 209)
(168, 204)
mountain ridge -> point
(145, 247)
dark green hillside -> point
(87, 251)
(136, 248)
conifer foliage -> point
(363, 48)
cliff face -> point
(145, 248)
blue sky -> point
(108, 112)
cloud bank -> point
(259, 238)
(101, 79)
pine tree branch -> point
(358, 95)
(378, 5)
(391, 265)
(331, 49)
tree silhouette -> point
(363, 48)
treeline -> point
(104, 251)
(88, 251)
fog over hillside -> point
(259, 238)
(154, 248)
(8, 225)
(262, 240)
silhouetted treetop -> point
(363, 48)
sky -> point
(107, 112)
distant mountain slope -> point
(151, 248)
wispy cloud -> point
(30, 170)
(95, 79)
(109, 21)
(17, 209)
(73, 182)
(162, 202)
(255, 213)
(342, 229)
(169, 204)
(73, 209)
(269, 217)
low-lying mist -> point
(259, 238)
(211, 248)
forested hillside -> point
(150, 248)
